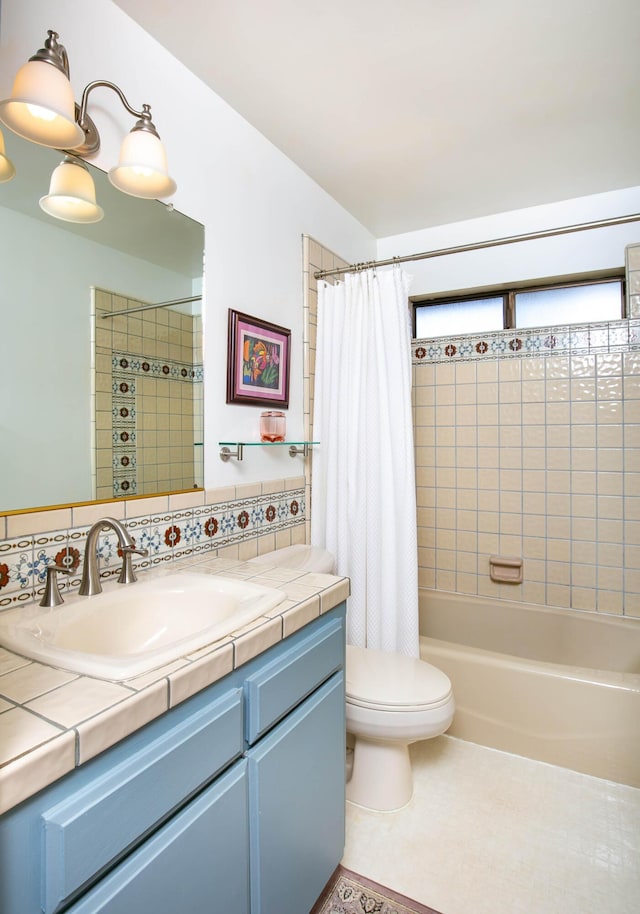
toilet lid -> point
(379, 679)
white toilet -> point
(391, 701)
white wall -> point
(255, 203)
(579, 252)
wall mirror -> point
(102, 395)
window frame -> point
(508, 296)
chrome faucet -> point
(90, 584)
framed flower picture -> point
(258, 359)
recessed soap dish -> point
(505, 569)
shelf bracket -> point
(226, 453)
(304, 450)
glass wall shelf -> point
(295, 447)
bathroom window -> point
(542, 306)
(468, 315)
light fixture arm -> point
(108, 85)
(144, 117)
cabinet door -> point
(297, 804)
(93, 828)
(198, 863)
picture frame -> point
(258, 360)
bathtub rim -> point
(449, 596)
(626, 681)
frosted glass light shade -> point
(7, 168)
(41, 107)
(72, 194)
(142, 167)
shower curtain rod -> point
(160, 304)
(479, 245)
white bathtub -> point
(561, 686)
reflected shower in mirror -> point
(62, 432)
(148, 400)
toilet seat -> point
(393, 682)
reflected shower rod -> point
(160, 304)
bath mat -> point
(349, 893)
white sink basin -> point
(137, 627)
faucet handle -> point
(52, 596)
(127, 574)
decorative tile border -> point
(612, 336)
(126, 363)
(126, 367)
(124, 431)
(167, 537)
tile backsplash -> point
(239, 522)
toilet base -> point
(381, 779)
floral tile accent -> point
(131, 365)
(16, 571)
(612, 336)
(124, 434)
(166, 537)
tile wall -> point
(315, 257)
(148, 399)
(632, 264)
(236, 522)
(528, 445)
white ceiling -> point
(414, 113)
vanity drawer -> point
(97, 825)
(282, 684)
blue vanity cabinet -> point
(230, 803)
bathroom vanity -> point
(230, 802)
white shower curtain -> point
(363, 496)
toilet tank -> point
(300, 557)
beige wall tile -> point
(535, 457)
(37, 522)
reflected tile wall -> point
(528, 446)
(148, 399)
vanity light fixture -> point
(7, 168)
(42, 109)
(72, 193)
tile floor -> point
(491, 833)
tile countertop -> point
(52, 720)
